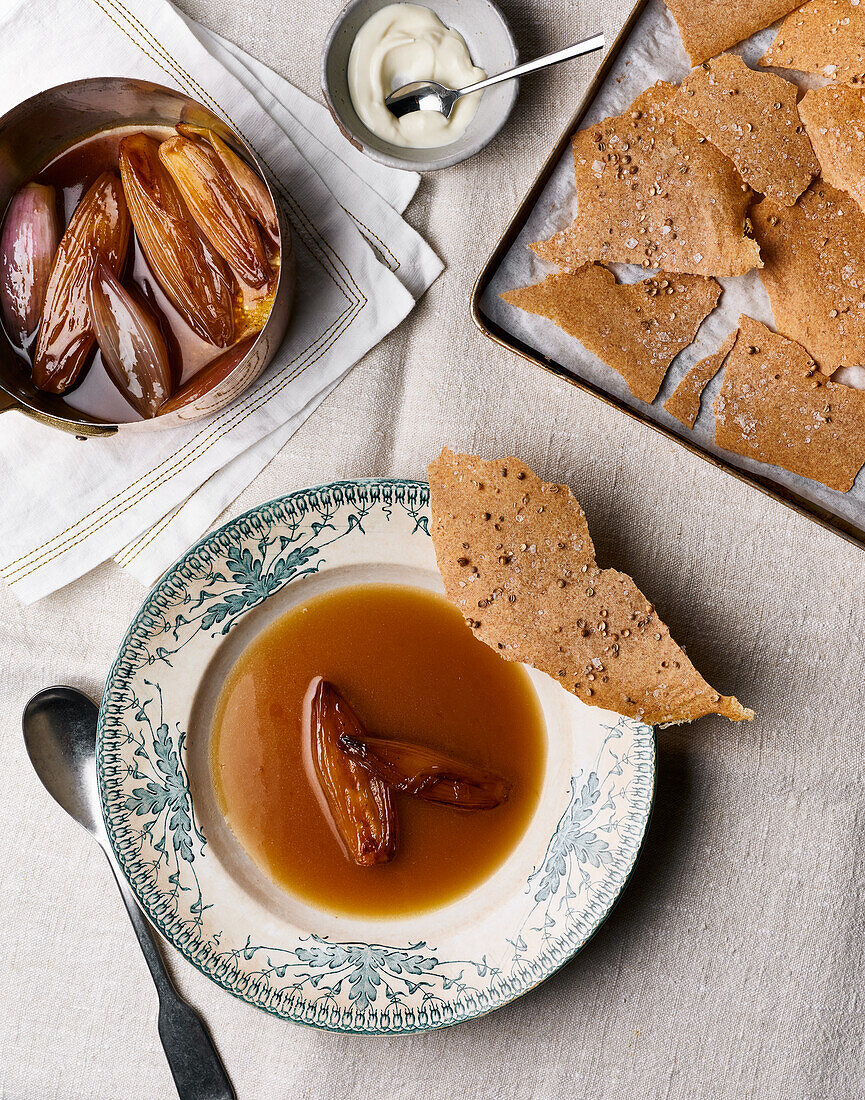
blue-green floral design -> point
(573, 869)
(346, 985)
(369, 973)
(163, 804)
(249, 575)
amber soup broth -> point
(412, 669)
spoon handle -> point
(195, 1065)
(588, 45)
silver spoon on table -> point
(429, 95)
(60, 734)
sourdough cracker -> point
(834, 117)
(776, 407)
(826, 37)
(752, 118)
(636, 329)
(684, 401)
(652, 191)
(814, 272)
(709, 26)
(517, 559)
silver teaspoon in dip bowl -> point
(60, 734)
(429, 95)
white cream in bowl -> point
(402, 43)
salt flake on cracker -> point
(826, 37)
(814, 272)
(752, 118)
(709, 26)
(776, 407)
(835, 119)
(684, 401)
(652, 191)
(517, 559)
(636, 329)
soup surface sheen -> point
(411, 669)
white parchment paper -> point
(653, 52)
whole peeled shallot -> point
(133, 348)
(31, 233)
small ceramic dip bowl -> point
(492, 48)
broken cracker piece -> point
(752, 118)
(636, 329)
(517, 559)
(835, 119)
(826, 37)
(710, 26)
(776, 407)
(652, 191)
(814, 272)
(684, 401)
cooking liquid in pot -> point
(71, 174)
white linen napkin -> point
(70, 505)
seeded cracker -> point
(637, 330)
(652, 191)
(517, 559)
(752, 118)
(775, 406)
(709, 26)
(684, 401)
(814, 255)
(835, 119)
(825, 37)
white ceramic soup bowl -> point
(203, 891)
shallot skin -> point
(133, 349)
(28, 244)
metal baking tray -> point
(850, 530)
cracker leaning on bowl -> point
(517, 559)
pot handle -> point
(80, 431)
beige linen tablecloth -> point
(733, 964)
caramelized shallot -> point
(359, 805)
(99, 227)
(133, 348)
(427, 773)
(249, 184)
(210, 376)
(212, 198)
(28, 243)
(184, 263)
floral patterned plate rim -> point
(200, 889)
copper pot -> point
(38, 130)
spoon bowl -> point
(60, 736)
(422, 95)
